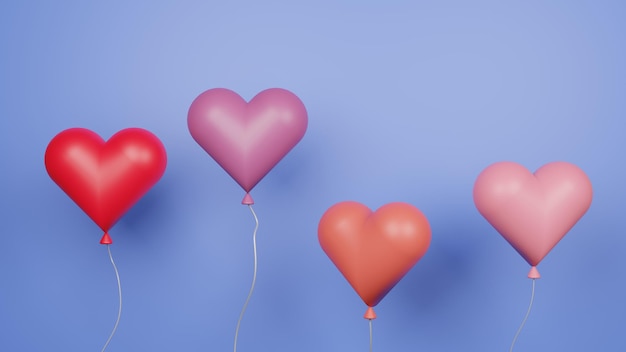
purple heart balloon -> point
(247, 139)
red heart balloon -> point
(374, 250)
(105, 179)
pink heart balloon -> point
(247, 139)
(533, 211)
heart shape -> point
(247, 139)
(533, 212)
(105, 179)
(374, 250)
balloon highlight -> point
(533, 212)
(374, 250)
(247, 139)
(105, 179)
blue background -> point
(407, 100)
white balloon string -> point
(119, 292)
(530, 306)
(371, 340)
(245, 305)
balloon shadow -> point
(296, 169)
(148, 217)
(451, 264)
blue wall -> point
(407, 100)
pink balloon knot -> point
(534, 273)
(247, 199)
(370, 314)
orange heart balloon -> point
(374, 250)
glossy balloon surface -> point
(105, 179)
(533, 212)
(247, 139)
(374, 250)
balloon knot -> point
(106, 239)
(370, 314)
(534, 273)
(247, 199)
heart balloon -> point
(532, 211)
(105, 179)
(247, 139)
(374, 250)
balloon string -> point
(245, 305)
(119, 292)
(371, 340)
(530, 306)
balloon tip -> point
(106, 239)
(370, 314)
(534, 273)
(247, 199)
